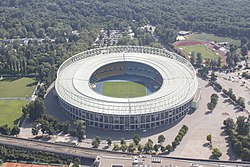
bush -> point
(185, 127)
(169, 148)
(216, 153)
(174, 144)
(116, 147)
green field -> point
(212, 37)
(123, 89)
(205, 52)
(10, 110)
(17, 87)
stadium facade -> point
(172, 79)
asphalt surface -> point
(92, 153)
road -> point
(92, 153)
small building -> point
(183, 33)
(216, 46)
(68, 140)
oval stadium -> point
(126, 88)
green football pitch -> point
(10, 111)
(123, 89)
(17, 87)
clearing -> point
(17, 87)
(205, 51)
(10, 111)
(212, 37)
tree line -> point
(238, 133)
(148, 148)
(22, 154)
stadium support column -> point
(127, 119)
(123, 56)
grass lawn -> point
(212, 37)
(10, 110)
(17, 87)
(123, 89)
(206, 53)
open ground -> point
(14, 94)
(123, 89)
(212, 37)
(17, 87)
(10, 111)
(205, 51)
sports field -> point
(10, 110)
(17, 87)
(205, 52)
(212, 37)
(123, 89)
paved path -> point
(90, 153)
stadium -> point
(126, 88)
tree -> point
(109, 141)
(156, 147)
(213, 77)
(241, 102)
(203, 72)
(169, 148)
(123, 141)
(244, 50)
(98, 139)
(4, 130)
(209, 138)
(148, 146)
(132, 147)
(163, 149)
(161, 138)
(140, 147)
(211, 106)
(245, 154)
(192, 59)
(64, 127)
(242, 126)
(35, 130)
(95, 143)
(214, 99)
(124, 147)
(229, 123)
(116, 147)
(216, 153)
(51, 130)
(237, 146)
(230, 92)
(175, 143)
(243, 41)
(35, 109)
(219, 62)
(15, 130)
(81, 130)
(40, 33)
(136, 139)
(199, 59)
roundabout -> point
(168, 79)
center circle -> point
(125, 79)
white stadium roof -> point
(179, 81)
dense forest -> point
(37, 17)
(58, 29)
